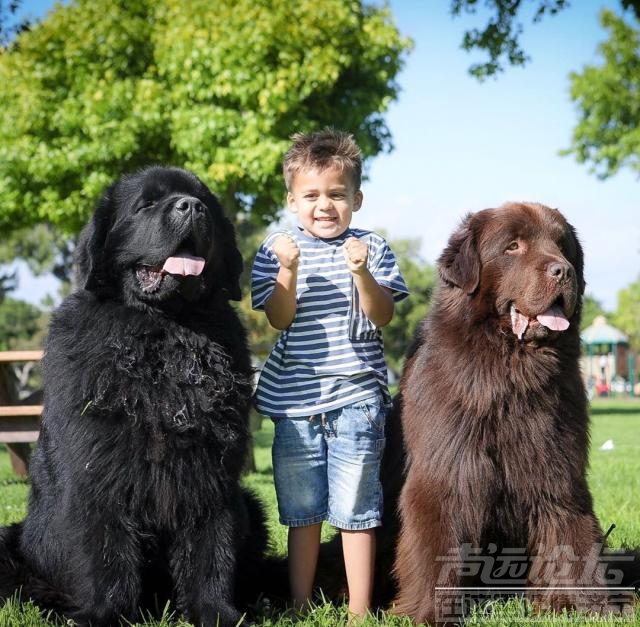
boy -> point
(329, 289)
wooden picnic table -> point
(19, 420)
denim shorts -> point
(327, 466)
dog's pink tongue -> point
(554, 319)
(184, 264)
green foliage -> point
(634, 5)
(499, 38)
(7, 283)
(8, 25)
(101, 87)
(420, 279)
(607, 97)
(262, 336)
(627, 315)
(19, 322)
(42, 247)
(591, 307)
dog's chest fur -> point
(170, 401)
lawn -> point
(614, 477)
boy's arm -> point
(280, 307)
(376, 301)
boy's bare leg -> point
(359, 549)
(303, 547)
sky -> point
(461, 146)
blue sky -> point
(462, 146)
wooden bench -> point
(19, 422)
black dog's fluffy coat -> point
(135, 495)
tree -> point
(500, 36)
(44, 249)
(591, 307)
(420, 278)
(627, 315)
(262, 336)
(608, 101)
(7, 284)
(607, 96)
(22, 326)
(215, 87)
(19, 322)
(9, 27)
(499, 39)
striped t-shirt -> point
(331, 355)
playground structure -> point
(609, 366)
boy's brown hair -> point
(328, 148)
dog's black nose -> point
(559, 270)
(189, 204)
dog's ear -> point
(578, 263)
(92, 269)
(459, 263)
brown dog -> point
(495, 423)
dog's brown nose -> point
(559, 270)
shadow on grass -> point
(600, 410)
(15, 481)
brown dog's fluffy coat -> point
(495, 423)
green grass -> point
(614, 477)
(13, 493)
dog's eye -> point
(514, 245)
(145, 204)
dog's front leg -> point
(566, 571)
(427, 563)
(106, 562)
(203, 564)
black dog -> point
(135, 496)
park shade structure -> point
(607, 355)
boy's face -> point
(324, 201)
